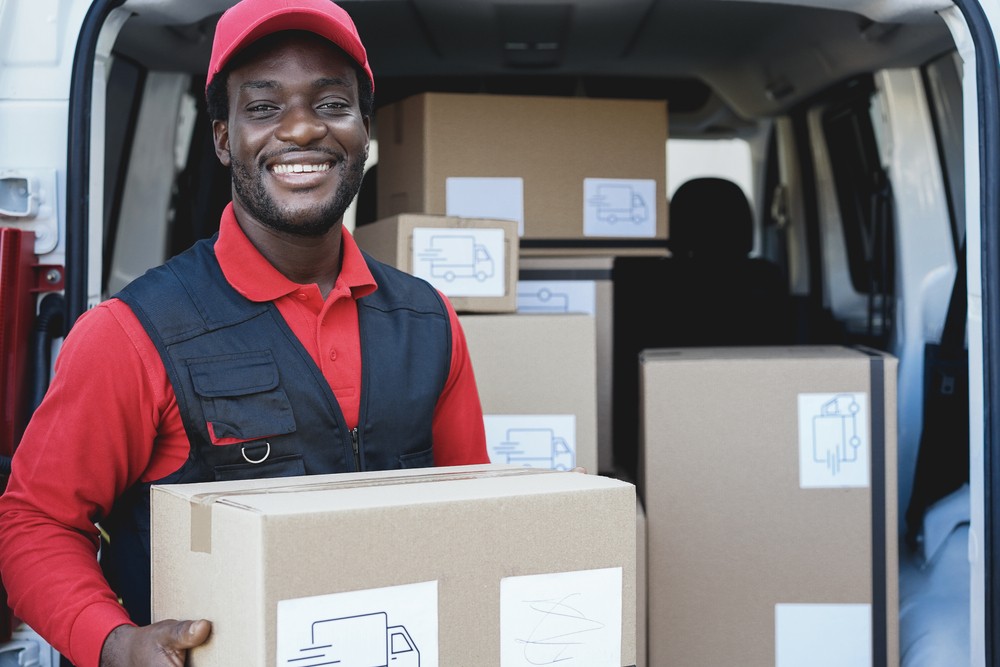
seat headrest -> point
(710, 217)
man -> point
(276, 348)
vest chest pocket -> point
(241, 396)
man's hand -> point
(162, 644)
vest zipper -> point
(357, 451)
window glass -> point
(944, 85)
(722, 158)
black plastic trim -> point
(81, 93)
(564, 274)
(604, 244)
(988, 85)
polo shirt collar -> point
(254, 277)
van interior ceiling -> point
(681, 50)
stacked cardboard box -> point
(565, 168)
(536, 370)
(768, 477)
(568, 284)
(577, 193)
(537, 377)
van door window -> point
(864, 198)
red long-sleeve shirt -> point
(110, 419)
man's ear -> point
(368, 131)
(220, 134)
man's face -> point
(295, 138)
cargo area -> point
(704, 249)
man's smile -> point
(299, 168)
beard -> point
(248, 186)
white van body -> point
(97, 189)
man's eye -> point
(259, 107)
(333, 104)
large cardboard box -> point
(566, 168)
(449, 567)
(537, 379)
(473, 261)
(769, 483)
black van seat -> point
(717, 293)
(709, 292)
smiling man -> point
(275, 348)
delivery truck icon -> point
(614, 202)
(452, 256)
(363, 640)
(534, 448)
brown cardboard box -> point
(571, 168)
(768, 477)
(473, 261)
(541, 288)
(462, 565)
(537, 379)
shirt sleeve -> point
(88, 441)
(459, 431)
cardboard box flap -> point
(349, 491)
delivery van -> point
(867, 179)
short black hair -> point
(217, 93)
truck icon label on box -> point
(533, 441)
(614, 203)
(619, 207)
(535, 448)
(461, 261)
(452, 256)
(390, 626)
(364, 640)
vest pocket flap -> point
(241, 396)
(234, 374)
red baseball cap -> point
(249, 20)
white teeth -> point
(299, 168)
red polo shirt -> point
(110, 419)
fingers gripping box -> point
(470, 565)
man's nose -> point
(300, 125)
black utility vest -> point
(236, 365)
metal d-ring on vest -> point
(243, 451)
